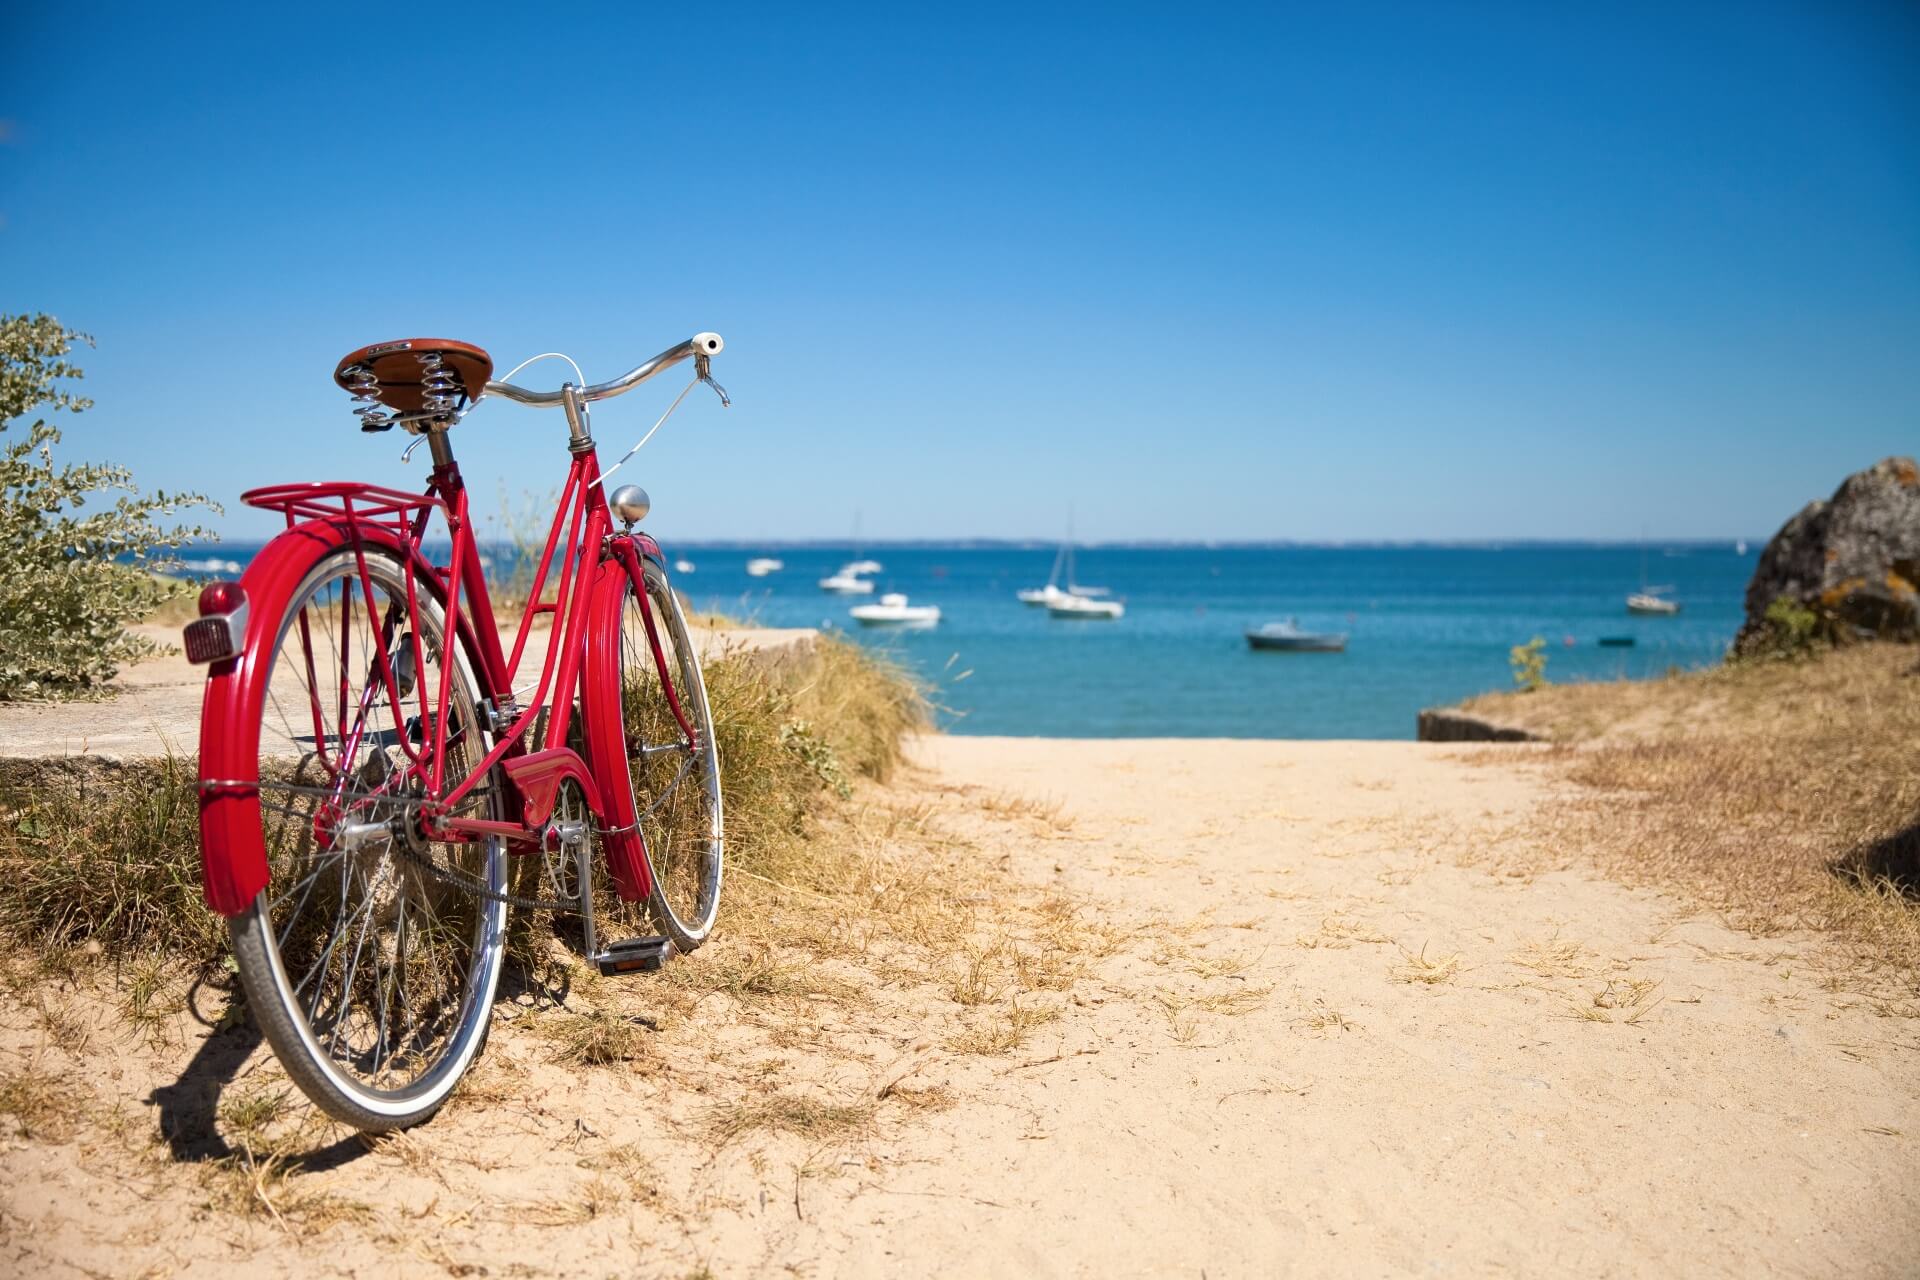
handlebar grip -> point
(707, 344)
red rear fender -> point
(233, 857)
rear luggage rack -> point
(336, 499)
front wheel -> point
(668, 794)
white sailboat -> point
(1053, 591)
(847, 584)
(1651, 601)
(850, 579)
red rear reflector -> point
(221, 598)
(222, 625)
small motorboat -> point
(1288, 637)
(1652, 602)
(1069, 605)
(1616, 642)
(892, 610)
(847, 584)
(683, 565)
(761, 566)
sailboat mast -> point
(1069, 549)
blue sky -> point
(1313, 271)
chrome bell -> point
(631, 504)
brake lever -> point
(703, 373)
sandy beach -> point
(1345, 1019)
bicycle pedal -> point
(634, 955)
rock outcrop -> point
(1450, 724)
(1848, 567)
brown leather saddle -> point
(425, 382)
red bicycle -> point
(376, 792)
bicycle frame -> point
(591, 559)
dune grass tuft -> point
(106, 856)
(38, 1102)
(807, 1117)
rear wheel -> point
(370, 961)
(672, 796)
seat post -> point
(440, 448)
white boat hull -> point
(894, 610)
(1081, 608)
(875, 616)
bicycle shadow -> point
(1892, 861)
(189, 1108)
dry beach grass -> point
(1784, 794)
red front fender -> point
(233, 856)
(603, 721)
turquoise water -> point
(1429, 625)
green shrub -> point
(66, 594)
(1793, 630)
(1529, 662)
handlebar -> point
(701, 346)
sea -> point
(1428, 625)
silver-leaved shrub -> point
(72, 576)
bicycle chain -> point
(473, 885)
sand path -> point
(1338, 1042)
(1361, 1120)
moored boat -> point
(1648, 600)
(892, 610)
(847, 584)
(1053, 592)
(1041, 595)
(1068, 605)
(1288, 637)
(761, 566)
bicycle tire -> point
(669, 790)
(422, 918)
